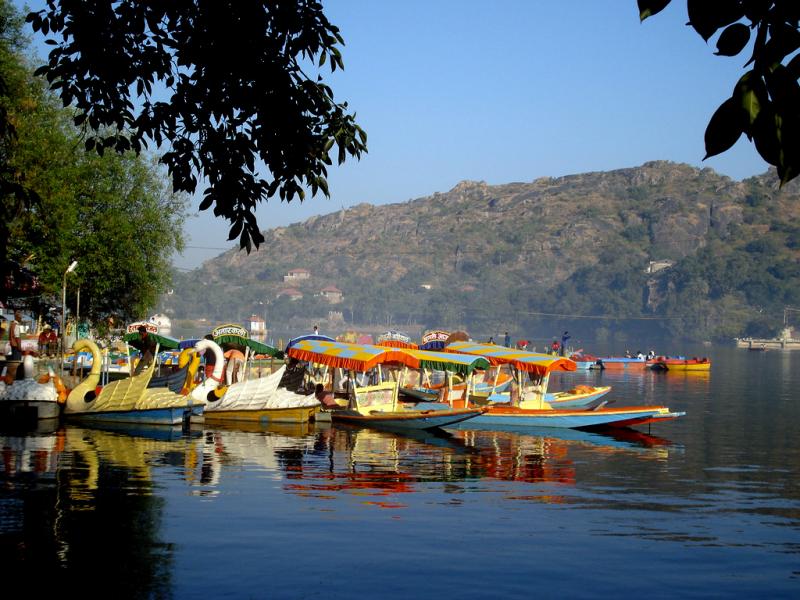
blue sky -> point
(506, 91)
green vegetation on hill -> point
(536, 257)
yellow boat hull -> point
(265, 415)
(690, 367)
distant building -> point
(332, 294)
(335, 316)
(255, 325)
(292, 293)
(658, 265)
(297, 274)
(425, 286)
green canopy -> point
(235, 336)
(164, 342)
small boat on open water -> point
(663, 363)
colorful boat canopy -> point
(235, 335)
(541, 364)
(343, 355)
(448, 361)
(310, 336)
(164, 342)
(358, 357)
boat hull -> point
(301, 414)
(406, 420)
(620, 364)
(156, 416)
(28, 410)
(576, 419)
(578, 400)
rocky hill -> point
(666, 247)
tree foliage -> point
(114, 213)
(221, 84)
(765, 103)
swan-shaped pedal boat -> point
(127, 400)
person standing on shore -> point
(14, 338)
(507, 340)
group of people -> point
(639, 356)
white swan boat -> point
(127, 400)
(29, 399)
(258, 399)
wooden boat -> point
(619, 363)
(528, 405)
(662, 363)
(373, 401)
(531, 371)
(126, 400)
(29, 400)
(260, 399)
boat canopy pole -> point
(246, 367)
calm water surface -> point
(705, 506)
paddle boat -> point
(664, 363)
(372, 400)
(127, 400)
(174, 366)
(31, 399)
(528, 404)
(260, 399)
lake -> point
(703, 506)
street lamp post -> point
(70, 269)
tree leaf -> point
(724, 129)
(733, 39)
(707, 17)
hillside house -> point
(297, 275)
(291, 293)
(332, 294)
(655, 266)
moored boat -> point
(371, 399)
(29, 399)
(530, 372)
(259, 399)
(528, 404)
(127, 400)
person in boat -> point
(639, 355)
(564, 337)
(325, 398)
(507, 340)
(210, 359)
(491, 340)
(628, 354)
(47, 341)
(554, 347)
(147, 346)
(651, 355)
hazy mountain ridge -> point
(492, 255)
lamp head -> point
(72, 266)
